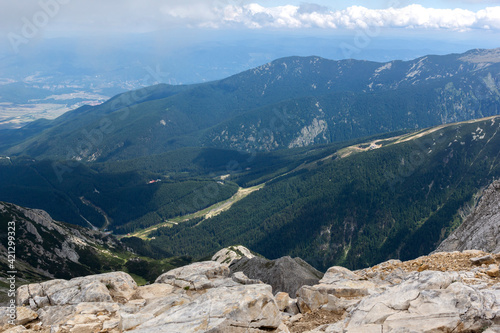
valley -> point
(206, 213)
(339, 162)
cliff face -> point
(481, 228)
(49, 249)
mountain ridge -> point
(162, 118)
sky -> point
(470, 21)
(53, 17)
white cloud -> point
(149, 15)
(412, 16)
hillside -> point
(47, 249)
(77, 194)
(290, 102)
(388, 198)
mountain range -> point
(290, 102)
(339, 162)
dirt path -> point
(206, 213)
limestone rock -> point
(129, 321)
(16, 329)
(198, 276)
(82, 313)
(425, 302)
(220, 309)
(484, 260)
(25, 315)
(493, 329)
(93, 288)
(309, 298)
(241, 278)
(283, 274)
(282, 300)
(154, 290)
(493, 271)
(229, 254)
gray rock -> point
(310, 298)
(25, 315)
(54, 246)
(283, 274)
(198, 276)
(94, 288)
(225, 309)
(425, 302)
(480, 229)
(229, 254)
(241, 278)
(488, 259)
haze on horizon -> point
(471, 23)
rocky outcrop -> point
(443, 292)
(284, 274)
(426, 301)
(480, 230)
(229, 254)
(50, 249)
(196, 298)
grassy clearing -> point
(206, 213)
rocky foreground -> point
(443, 292)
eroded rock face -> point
(229, 254)
(54, 247)
(95, 288)
(426, 302)
(480, 230)
(220, 309)
(284, 274)
(197, 298)
(198, 276)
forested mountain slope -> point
(397, 198)
(290, 102)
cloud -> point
(411, 17)
(148, 15)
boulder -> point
(159, 305)
(429, 301)
(241, 278)
(16, 329)
(94, 288)
(25, 315)
(283, 274)
(224, 309)
(282, 300)
(337, 283)
(309, 298)
(198, 276)
(484, 260)
(229, 254)
(493, 271)
(82, 313)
